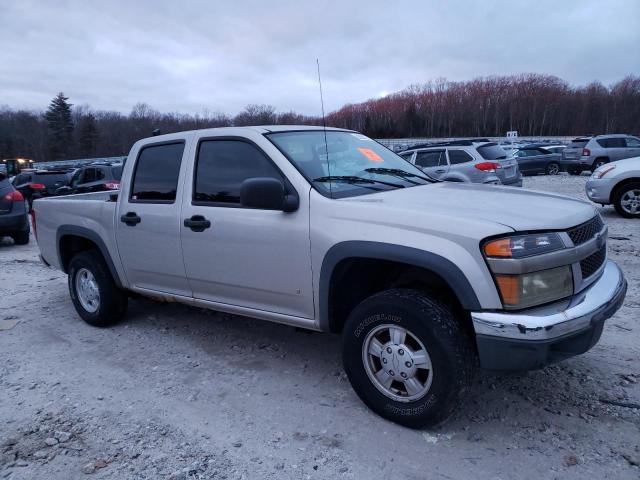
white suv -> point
(466, 161)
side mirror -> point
(268, 194)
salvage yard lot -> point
(178, 392)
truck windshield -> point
(347, 164)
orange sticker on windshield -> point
(370, 154)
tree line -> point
(535, 105)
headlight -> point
(520, 246)
(535, 288)
(602, 171)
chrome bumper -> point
(598, 302)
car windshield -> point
(347, 164)
(492, 151)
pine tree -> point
(58, 118)
(87, 136)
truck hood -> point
(517, 208)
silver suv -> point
(466, 161)
(589, 153)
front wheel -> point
(95, 295)
(407, 357)
(627, 200)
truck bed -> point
(55, 216)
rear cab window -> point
(155, 178)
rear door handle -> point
(440, 171)
(131, 219)
(197, 223)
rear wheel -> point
(626, 200)
(21, 238)
(598, 162)
(407, 357)
(95, 295)
(553, 168)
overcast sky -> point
(192, 56)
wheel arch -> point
(621, 184)
(418, 262)
(72, 239)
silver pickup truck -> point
(330, 231)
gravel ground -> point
(180, 393)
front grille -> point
(586, 231)
(593, 262)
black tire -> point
(21, 238)
(619, 194)
(598, 162)
(449, 347)
(112, 300)
(553, 168)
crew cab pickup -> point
(326, 229)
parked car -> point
(93, 178)
(466, 161)
(40, 183)
(589, 153)
(14, 221)
(328, 230)
(534, 159)
(617, 183)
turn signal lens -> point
(601, 173)
(520, 246)
(487, 166)
(536, 288)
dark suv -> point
(94, 178)
(14, 222)
(41, 183)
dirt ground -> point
(176, 392)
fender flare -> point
(83, 232)
(439, 265)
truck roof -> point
(254, 128)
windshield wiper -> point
(354, 180)
(398, 173)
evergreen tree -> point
(87, 136)
(60, 125)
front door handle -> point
(197, 223)
(131, 219)
(440, 171)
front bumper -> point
(536, 337)
(599, 190)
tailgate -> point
(571, 153)
(509, 168)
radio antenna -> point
(324, 127)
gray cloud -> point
(191, 56)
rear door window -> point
(89, 175)
(222, 166)
(432, 158)
(612, 142)
(457, 157)
(155, 179)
